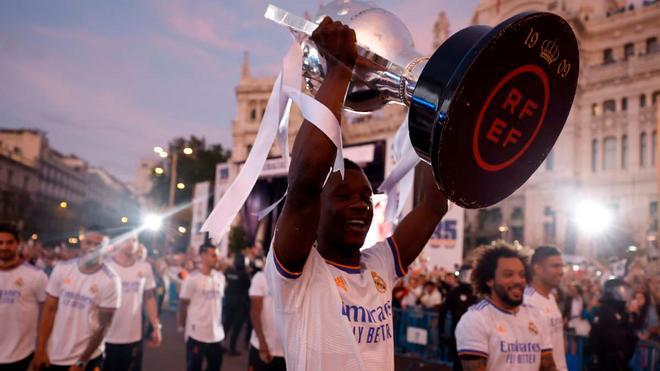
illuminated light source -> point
(159, 170)
(124, 219)
(153, 222)
(599, 273)
(503, 228)
(632, 248)
(64, 204)
(182, 229)
(34, 236)
(592, 217)
(180, 185)
(162, 154)
(73, 240)
(187, 151)
(576, 267)
(158, 149)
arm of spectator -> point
(256, 306)
(45, 328)
(151, 307)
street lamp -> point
(180, 185)
(34, 237)
(152, 222)
(182, 229)
(64, 204)
(158, 149)
(187, 151)
(162, 154)
(159, 171)
(124, 219)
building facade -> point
(606, 152)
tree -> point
(237, 239)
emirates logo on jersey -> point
(532, 328)
(341, 283)
(19, 282)
(380, 284)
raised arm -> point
(313, 153)
(414, 231)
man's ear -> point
(490, 283)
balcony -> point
(609, 120)
(635, 65)
(648, 116)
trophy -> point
(484, 110)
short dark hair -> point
(486, 266)
(543, 252)
(11, 229)
(205, 247)
(350, 165)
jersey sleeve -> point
(187, 288)
(471, 336)
(150, 282)
(40, 287)
(55, 282)
(258, 287)
(111, 294)
(288, 288)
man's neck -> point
(205, 270)
(89, 267)
(541, 288)
(10, 264)
(125, 260)
(329, 252)
(500, 304)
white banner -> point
(200, 210)
(445, 248)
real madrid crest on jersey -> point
(19, 282)
(341, 283)
(380, 284)
(532, 328)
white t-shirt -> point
(80, 297)
(127, 323)
(334, 317)
(204, 319)
(259, 287)
(22, 290)
(512, 342)
(431, 300)
(550, 310)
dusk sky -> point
(109, 80)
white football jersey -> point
(510, 341)
(550, 310)
(259, 288)
(336, 317)
(80, 296)
(22, 290)
(127, 323)
(204, 319)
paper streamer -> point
(274, 124)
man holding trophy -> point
(332, 301)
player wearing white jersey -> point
(500, 332)
(123, 348)
(265, 349)
(22, 291)
(200, 312)
(82, 296)
(548, 269)
(332, 302)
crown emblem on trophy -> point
(549, 51)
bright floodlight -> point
(158, 149)
(592, 217)
(153, 222)
(162, 154)
(187, 151)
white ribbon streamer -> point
(274, 124)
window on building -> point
(517, 213)
(624, 104)
(654, 142)
(608, 56)
(609, 105)
(624, 151)
(653, 215)
(609, 153)
(517, 233)
(595, 110)
(253, 114)
(652, 45)
(656, 97)
(224, 173)
(594, 155)
(628, 50)
(642, 100)
(549, 227)
(642, 149)
(550, 161)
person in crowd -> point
(612, 338)
(200, 312)
(22, 293)
(547, 268)
(431, 298)
(501, 332)
(459, 299)
(237, 301)
(414, 291)
(82, 297)
(123, 349)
